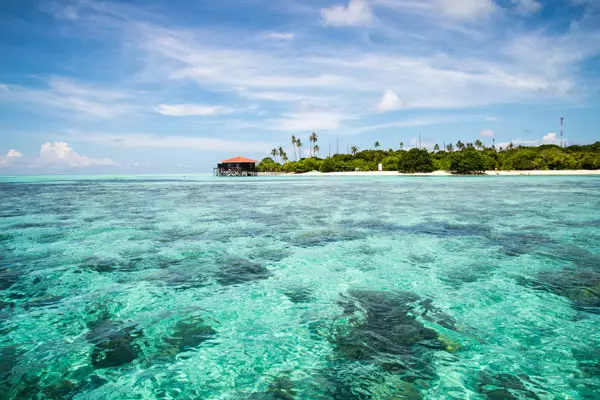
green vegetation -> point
(461, 158)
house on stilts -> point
(237, 166)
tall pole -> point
(419, 140)
(562, 119)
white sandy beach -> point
(445, 173)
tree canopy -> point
(471, 159)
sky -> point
(174, 86)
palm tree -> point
(510, 146)
(450, 148)
(274, 153)
(469, 145)
(294, 142)
(281, 153)
(312, 139)
(299, 144)
(316, 149)
(401, 145)
(354, 150)
(460, 145)
(377, 145)
(479, 144)
(436, 147)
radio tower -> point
(562, 119)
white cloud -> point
(280, 35)
(389, 101)
(491, 118)
(60, 154)
(356, 13)
(14, 153)
(487, 133)
(550, 138)
(527, 6)
(184, 110)
(175, 142)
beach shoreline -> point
(445, 173)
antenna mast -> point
(562, 119)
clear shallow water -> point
(300, 288)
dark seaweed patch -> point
(299, 294)
(99, 265)
(469, 274)
(384, 330)
(8, 277)
(43, 301)
(281, 388)
(188, 334)
(506, 386)
(114, 344)
(326, 236)
(582, 287)
(233, 271)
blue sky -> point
(174, 86)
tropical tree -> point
(354, 150)
(479, 144)
(313, 140)
(294, 142)
(274, 153)
(436, 148)
(510, 146)
(416, 160)
(377, 145)
(468, 161)
(299, 145)
(282, 154)
(401, 145)
(316, 149)
(460, 145)
(449, 147)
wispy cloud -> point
(461, 10)
(487, 133)
(185, 110)
(149, 141)
(280, 35)
(68, 95)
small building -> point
(237, 166)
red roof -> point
(238, 160)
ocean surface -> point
(196, 287)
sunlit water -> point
(300, 288)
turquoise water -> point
(300, 288)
